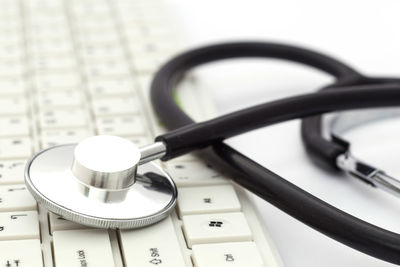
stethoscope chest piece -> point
(99, 183)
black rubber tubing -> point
(345, 228)
(322, 151)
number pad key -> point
(236, 254)
(216, 228)
(207, 199)
(19, 225)
(16, 198)
(20, 147)
(21, 253)
(194, 174)
(12, 171)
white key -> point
(82, 248)
(207, 199)
(150, 46)
(12, 69)
(139, 140)
(53, 63)
(155, 245)
(116, 106)
(51, 47)
(106, 68)
(58, 223)
(194, 174)
(101, 51)
(60, 98)
(238, 254)
(19, 225)
(150, 63)
(11, 52)
(21, 253)
(76, 117)
(16, 198)
(121, 125)
(14, 126)
(18, 147)
(13, 105)
(216, 228)
(111, 87)
(55, 137)
(12, 87)
(58, 80)
(89, 37)
(12, 171)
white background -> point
(364, 34)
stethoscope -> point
(107, 182)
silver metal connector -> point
(368, 174)
(152, 152)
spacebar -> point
(154, 245)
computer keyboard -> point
(75, 68)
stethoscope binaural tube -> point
(345, 228)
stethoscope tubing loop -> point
(345, 228)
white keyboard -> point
(72, 69)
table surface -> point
(363, 34)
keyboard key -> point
(43, 63)
(110, 87)
(12, 87)
(121, 125)
(101, 51)
(216, 228)
(58, 223)
(148, 246)
(18, 147)
(46, 46)
(55, 137)
(238, 254)
(207, 199)
(19, 225)
(12, 171)
(16, 198)
(82, 248)
(106, 68)
(16, 125)
(18, 104)
(139, 140)
(57, 80)
(63, 118)
(194, 174)
(11, 69)
(116, 106)
(21, 253)
(60, 98)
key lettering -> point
(14, 217)
(229, 257)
